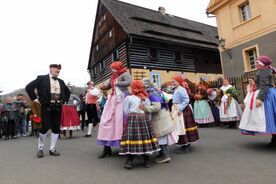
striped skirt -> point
(191, 135)
(138, 136)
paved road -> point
(222, 156)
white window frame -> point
(245, 12)
(248, 60)
(155, 75)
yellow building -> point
(247, 29)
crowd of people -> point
(136, 116)
(14, 117)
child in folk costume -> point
(230, 111)
(161, 121)
(70, 117)
(112, 119)
(182, 115)
(36, 117)
(259, 115)
(202, 111)
(250, 88)
(214, 96)
(138, 136)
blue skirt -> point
(270, 111)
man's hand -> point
(36, 101)
(258, 103)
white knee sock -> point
(41, 140)
(90, 126)
(54, 138)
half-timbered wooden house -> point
(152, 44)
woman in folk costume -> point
(70, 117)
(202, 111)
(259, 115)
(138, 136)
(161, 120)
(112, 119)
(230, 110)
(214, 96)
(182, 115)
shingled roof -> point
(144, 22)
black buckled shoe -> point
(40, 153)
(146, 161)
(106, 152)
(129, 163)
(54, 152)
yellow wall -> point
(166, 76)
(235, 31)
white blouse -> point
(131, 104)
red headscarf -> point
(118, 65)
(137, 89)
(179, 79)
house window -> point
(110, 34)
(250, 56)
(245, 11)
(177, 57)
(155, 78)
(153, 53)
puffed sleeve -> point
(126, 80)
(126, 105)
(183, 95)
(264, 84)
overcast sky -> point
(35, 33)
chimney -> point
(162, 10)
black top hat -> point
(55, 66)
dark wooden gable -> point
(107, 35)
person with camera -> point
(22, 104)
(52, 93)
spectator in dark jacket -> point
(10, 113)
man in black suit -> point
(51, 94)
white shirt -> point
(54, 84)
